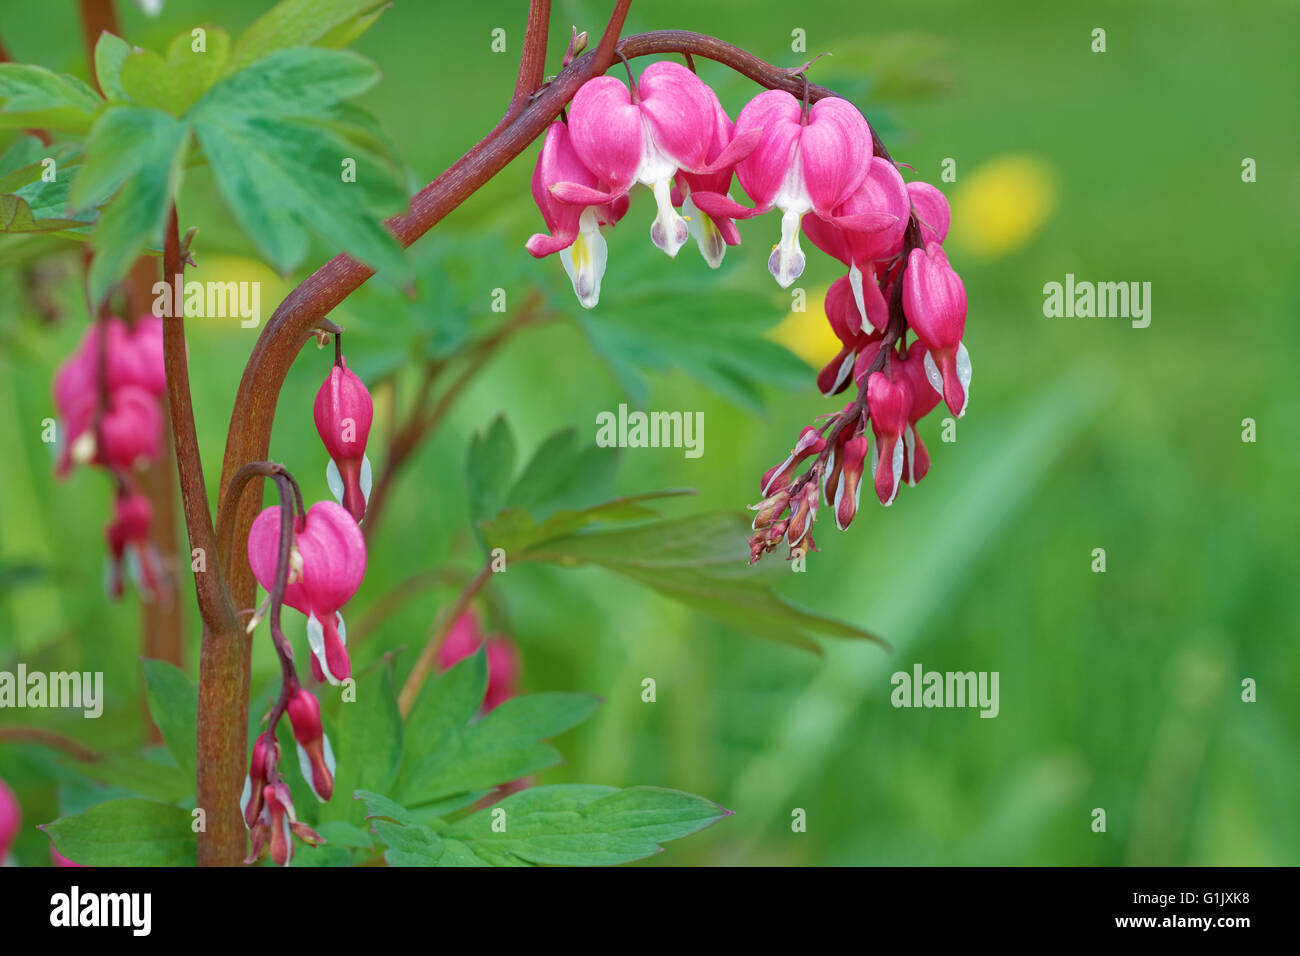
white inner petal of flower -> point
(584, 261)
(933, 375)
(316, 641)
(855, 283)
(366, 478)
(706, 234)
(245, 798)
(669, 231)
(898, 471)
(304, 764)
(787, 260)
(334, 480)
(963, 376)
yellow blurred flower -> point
(1001, 205)
(808, 334)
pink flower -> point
(58, 859)
(804, 164)
(644, 134)
(844, 478)
(842, 313)
(916, 459)
(279, 806)
(706, 216)
(330, 564)
(128, 533)
(11, 819)
(343, 413)
(888, 402)
(315, 756)
(934, 300)
(266, 754)
(931, 210)
(130, 431)
(464, 639)
(575, 228)
(881, 192)
(779, 477)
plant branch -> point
(52, 739)
(419, 425)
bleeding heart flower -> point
(707, 219)
(802, 164)
(343, 413)
(464, 639)
(129, 433)
(882, 191)
(934, 301)
(842, 313)
(779, 477)
(888, 402)
(266, 755)
(332, 560)
(11, 819)
(128, 536)
(644, 134)
(315, 756)
(844, 478)
(575, 228)
(931, 211)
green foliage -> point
(568, 825)
(174, 707)
(32, 97)
(700, 561)
(126, 832)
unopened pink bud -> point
(315, 756)
(343, 413)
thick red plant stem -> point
(223, 661)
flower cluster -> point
(822, 168)
(325, 564)
(108, 395)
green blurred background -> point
(1119, 691)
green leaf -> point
(580, 825)
(303, 22)
(277, 176)
(367, 743)
(700, 561)
(411, 845)
(126, 832)
(489, 468)
(173, 84)
(559, 475)
(34, 97)
(174, 707)
(518, 533)
(342, 833)
(380, 807)
(142, 151)
(446, 755)
(290, 84)
(110, 56)
(17, 216)
(149, 778)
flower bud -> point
(266, 754)
(888, 403)
(315, 756)
(934, 300)
(279, 806)
(848, 489)
(780, 477)
(343, 413)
